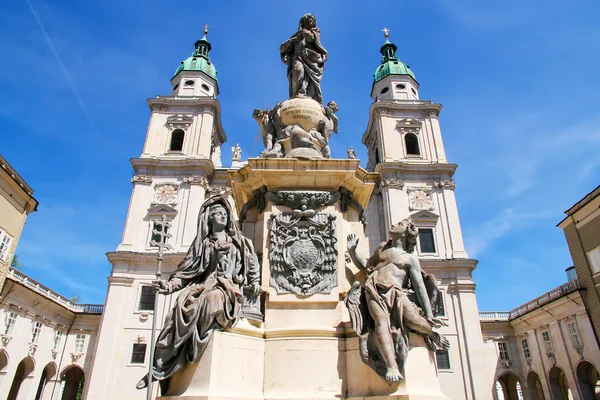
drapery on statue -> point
(384, 310)
(305, 58)
(211, 277)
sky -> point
(518, 81)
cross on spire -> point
(206, 29)
(386, 32)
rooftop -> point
(30, 283)
(562, 290)
(18, 180)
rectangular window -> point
(36, 328)
(426, 242)
(575, 339)
(147, 298)
(503, 351)
(138, 355)
(526, 351)
(594, 257)
(57, 339)
(9, 322)
(5, 240)
(79, 343)
(156, 237)
(547, 342)
(442, 359)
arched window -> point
(412, 144)
(177, 140)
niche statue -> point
(211, 277)
(397, 297)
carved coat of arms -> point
(303, 253)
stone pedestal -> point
(305, 348)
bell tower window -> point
(177, 140)
(412, 144)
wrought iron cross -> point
(386, 32)
(206, 28)
(162, 233)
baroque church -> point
(180, 166)
(296, 340)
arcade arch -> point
(589, 380)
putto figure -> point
(397, 297)
(305, 58)
(211, 277)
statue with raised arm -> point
(397, 297)
(218, 265)
(305, 58)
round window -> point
(205, 87)
(189, 83)
(385, 90)
(401, 86)
(413, 90)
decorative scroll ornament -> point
(393, 183)
(141, 179)
(76, 356)
(54, 353)
(303, 253)
(419, 199)
(32, 348)
(165, 193)
(182, 121)
(5, 339)
(196, 180)
(406, 125)
(505, 363)
(445, 184)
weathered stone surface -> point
(303, 111)
(303, 252)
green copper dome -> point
(390, 64)
(199, 60)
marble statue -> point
(397, 297)
(218, 266)
(236, 153)
(351, 153)
(301, 126)
(305, 58)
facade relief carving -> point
(392, 183)
(445, 184)
(182, 121)
(420, 199)
(406, 125)
(196, 180)
(303, 252)
(145, 179)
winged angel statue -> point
(397, 297)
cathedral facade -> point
(180, 166)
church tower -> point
(179, 164)
(406, 151)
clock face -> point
(165, 194)
(420, 200)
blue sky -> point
(518, 81)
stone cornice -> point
(204, 104)
(441, 170)
(386, 107)
(184, 166)
(143, 258)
